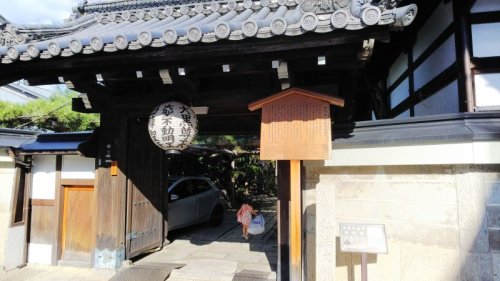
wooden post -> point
(463, 50)
(295, 222)
(283, 211)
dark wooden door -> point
(78, 223)
(144, 191)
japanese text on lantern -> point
(167, 131)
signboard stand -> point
(364, 267)
(364, 239)
(295, 126)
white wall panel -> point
(400, 93)
(44, 177)
(441, 59)
(440, 19)
(487, 88)
(428, 154)
(403, 115)
(40, 253)
(486, 39)
(77, 167)
(485, 6)
(444, 101)
(399, 66)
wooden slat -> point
(43, 224)
(42, 202)
(78, 182)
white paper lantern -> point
(172, 126)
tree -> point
(52, 114)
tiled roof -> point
(132, 25)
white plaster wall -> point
(485, 6)
(444, 101)
(440, 19)
(441, 59)
(403, 115)
(434, 216)
(40, 253)
(44, 177)
(397, 68)
(7, 173)
(16, 239)
(486, 39)
(487, 88)
(77, 167)
(401, 93)
(431, 154)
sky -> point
(37, 11)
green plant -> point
(53, 114)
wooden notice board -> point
(296, 125)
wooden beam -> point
(42, 202)
(57, 245)
(79, 182)
(463, 47)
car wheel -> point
(217, 215)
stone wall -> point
(442, 221)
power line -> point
(42, 116)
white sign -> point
(172, 125)
(363, 238)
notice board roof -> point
(260, 103)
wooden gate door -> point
(144, 191)
(78, 223)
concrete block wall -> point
(442, 221)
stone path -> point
(219, 253)
(209, 254)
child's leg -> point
(245, 230)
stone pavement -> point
(217, 254)
(209, 254)
(56, 273)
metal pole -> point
(364, 267)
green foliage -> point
(53, 114)
(254, 176)
(240, 173)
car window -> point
(201, 186)
(184, 189)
